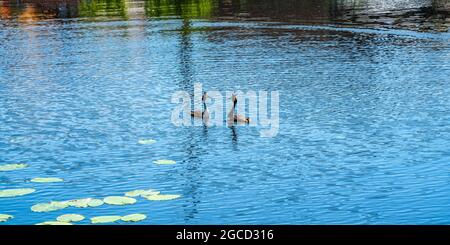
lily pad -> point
(46, 180)
(162, 197)
(105, 219)
(14, 166)
(70, 218)
(54, 223)
(164, 162)
(5, 217)
(146, 141)
(133, 217)
(20, 139)
(16, 192)
(136, 193)
(119, 200)
(48, 207)
(95, 203)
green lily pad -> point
(105, 219)
(133, 217)
(164, 162)
(48, 207)
(16, 192)
(70, 218)
(95, 203)
(5, 217)
(146, 141)
(119, 200)
(136, 193)
(54, 223)
(80, 203)
(14, 166)
(162, 197)
(46, 180)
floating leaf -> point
(16, 192)
(164, 162)
(14, 166)
(48, 207)
(54, 223)
(105, 219)
(5, 217)
(95, 203)
(133, 217)
(161, 197)
(146, 141)
(119, 200)
(70, 218)
(136, 193)
(46, 180)
(80, 203)
(20, 139)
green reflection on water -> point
(186, 9)
(149, 8)
(96, 8)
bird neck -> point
(232, 111)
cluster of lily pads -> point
(111, 200)
(67, 219)
(92, 202)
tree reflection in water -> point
(409, 14)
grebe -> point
(202, 114)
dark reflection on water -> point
(423, 15)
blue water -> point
(364, 120)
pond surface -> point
(364, 109)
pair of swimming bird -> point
(232, 117)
